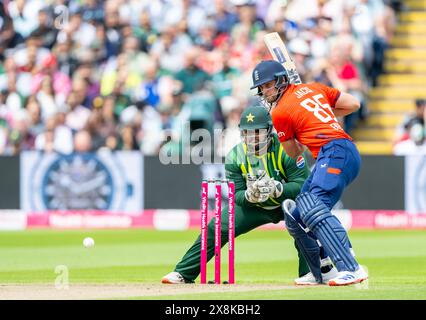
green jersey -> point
(277, 164)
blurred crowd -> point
(84, 75)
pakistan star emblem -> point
(250, 117)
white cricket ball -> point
(88, 242)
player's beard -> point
(267, 105)
(269, 102)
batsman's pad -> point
(308, 246)
(328, 229)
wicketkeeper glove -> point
(257, 194)
(275, 187)
(257, 191)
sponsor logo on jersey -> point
(300, 162)
(281, 134)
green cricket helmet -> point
(256, 129)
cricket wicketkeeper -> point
(264, 177)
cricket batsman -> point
(305, 115)
(264, 176)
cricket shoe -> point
(174, 278)
(346, 278)
(309, 279)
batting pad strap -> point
(307, 246)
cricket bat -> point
(279, 52)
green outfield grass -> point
(396, 261)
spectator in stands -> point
(94, 126)
(206, 36)
(241, 51)
(67, 61)
(80, 88)
(4, 125)
(46, 98)
(24, 15)
(247, 16)
(112, 31)
(344, 75)
(136, 60)
(170, 48)
(86, 75)
(384, 29)
(128, 139)
(14, 99)
(319, 37)
(45, 29)
(77, 115)
(362, 16)
(20, 137)
(9, 38)
(82, 142)
(222, 80)
(57, 136)
(60, 82)
(192, 77)
(105, 106)
(149, 89)
(92, 11)
(45, 141)
(145, 32)
(63, 134)
(414, 144)
(82, 34)
(223, 17)
(34, 112)
(418, 117)
(300, 51)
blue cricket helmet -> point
(267, 70)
